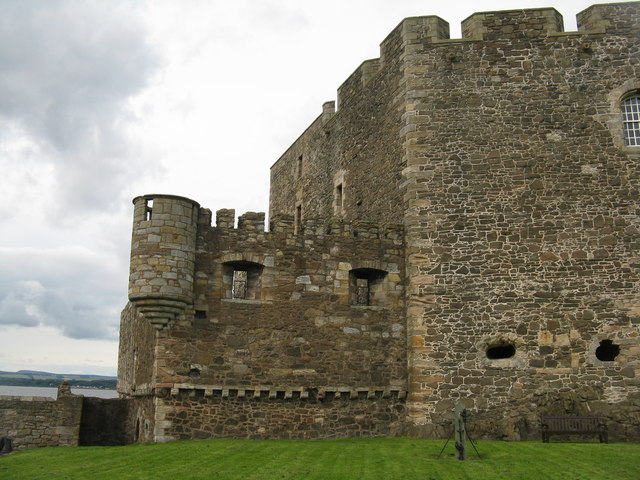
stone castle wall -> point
(522, 221)
(40, 421)
(359, 149)
(296, 336)
(520, 206)
(512, 284)
(68, 420)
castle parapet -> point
(512, 24)
(225, 218)
(282, 224)
(609, 17)
(251, 221)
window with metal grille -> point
(631, 120)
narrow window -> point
(362, 291)
(338, 199)
(607, 351)
(148, 208)
(631, 120)
(298, 220)
(299, 167)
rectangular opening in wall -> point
(362, 291)
(299, 167)
(242, 280)
(148, 208)
(298, 220)
(338, 200)
(367, 287)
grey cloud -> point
(71, 289)
(68, 69)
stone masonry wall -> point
(296, 334)
(522, 222)
(193, 415)
(358, 148)
(41, 421)
(515, 268)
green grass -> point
(361, 459)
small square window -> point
(367, 286)
(242, 280)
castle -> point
(463, 227)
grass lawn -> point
(361, 459)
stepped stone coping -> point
(289, 392)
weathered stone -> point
(478, 194)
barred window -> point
(631, 120)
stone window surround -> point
(253, 281)
(630, 106)
(613, 118)
(375, 278)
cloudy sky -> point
(101, 101)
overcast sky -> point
(101, 101)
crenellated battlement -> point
(512, 24)
(415, 34)
(253, 223)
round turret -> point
(163, 248)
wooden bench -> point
(574, 425)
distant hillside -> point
(29, 378)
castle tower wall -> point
(163, 256)
(521, 222)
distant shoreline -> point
(52, 392)
(26, 378)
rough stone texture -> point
(501, 154)
(41, 421)
(258, 417)
(297, 332)
(522, 223)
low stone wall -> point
(191, 415)
(41, 421)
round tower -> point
(163, 248)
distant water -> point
(53, 392)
